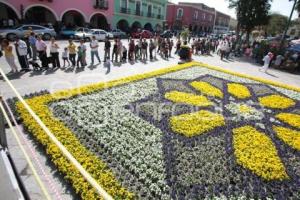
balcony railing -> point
(138, 13)
(101, 4)
(160, 17)
(125, 10)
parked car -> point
(83, 33)
(143, 34)
(118, 33)
(167, 34)
(19, 31)
(101, 34)
(67, 32)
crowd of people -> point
(33, 48)
(33, 51)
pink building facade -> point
(195, 16)
(97, 13)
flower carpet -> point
(191, 131)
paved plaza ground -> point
(58, 79)
(53, 80)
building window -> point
(159, 11)
(124, 4)
(210, 18)
(138, 7)
(204, 16)
(196, 15)
(149, 11)
(179, 13)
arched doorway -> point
(73, 18)
(8, 16)
(40, 15)
(123, 25)
(136, 26)
(99, 21)
(148, 27)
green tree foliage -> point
(277, 23)
(251, 13)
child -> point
(124, 56)
(107, 64)
(79, 56)
(65, 56)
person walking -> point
(8, 54)
(83, 56)
(32, 42)
(41, 48)
(72, 52)
(21, 50)
(54, 53)
(107, 46)
(94, 50)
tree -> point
(251, 13)
(277, 23)
(185, 34)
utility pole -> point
(288, 25)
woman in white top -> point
(54, 53)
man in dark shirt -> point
(107, 46)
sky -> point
(280, 6)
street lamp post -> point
(288, 25)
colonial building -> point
(135, 14)
(97, 13)
(221, 23)
(195, 16)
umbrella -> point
(295, 41)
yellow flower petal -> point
(188, 98)
(239, 91)
(196, 123)
(289, 118)
(276, 101)
(289, 136)
(207, 89)
(256, 152)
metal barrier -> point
(3, 140)
(61, 147)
